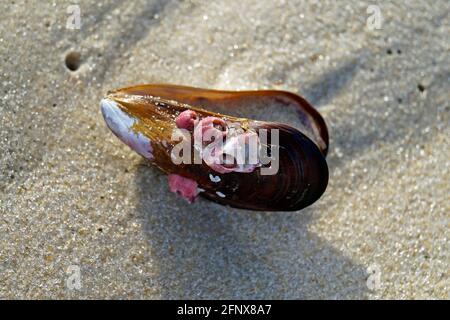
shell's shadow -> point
(205, 250)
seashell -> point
(169, 124)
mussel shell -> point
(303, 173)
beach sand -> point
(74, 198)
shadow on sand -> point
(205, 250)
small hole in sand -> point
(421, 87)
(73, 60)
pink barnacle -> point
(238, 154)
(210, 127)
(186, 120)
(185, 187)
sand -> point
(74, 198)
